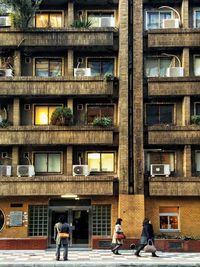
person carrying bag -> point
(118, 237)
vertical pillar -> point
(16, 111)
(186, 111)
(70, 18)
(185, 13)
(17, 63)
(70, 103)
(69, 162)
(186, 61)
(15, 159)
(70, 63)
(187, 161)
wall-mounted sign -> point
(16, 218)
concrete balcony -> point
(66, 37)
(173, 86)
(55, 135)
(173, 38)
(169, 135)
(57, 185)
(174, 186)
(54, 86)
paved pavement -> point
(103, 258)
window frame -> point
(104, 152)
(100, 218)
(194, 17)
(35, 223)
(155, 10)
(102, 11)
(104, 58)
(168, 214)
(48, 58)
(49, 152)
(195, 56)
(195, 109)
(48, 12)
(158, 58)
(99, 105)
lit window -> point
(154, 18)
(2, 220)
(169, 219)
(197, 65)
(157, 67)
(48, 20)
(159, 114)
(160, 158)
(94, 111)
(43, 114)
(48, 67)
(197, 19)
(102, 19)
(47, 162)
(101, 66)
(101, 162)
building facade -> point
(136, 66)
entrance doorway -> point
(79, 220)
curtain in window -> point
(153, 20)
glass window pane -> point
(164, 64)
(197, 19)
(152, 67)
(55, 68)
(41, 115)
(163, 222)
(95, 67)
(94, 162)
(173, 222)
(107, 162)
(92, 113)
(197, 109)
(152, 20)
(197, 159)
(107, 20)
(197, 66)
(54, 163)
(95, 19)
(40, 163)
(55, 20)
(166, 114)
(152, 114)
(42, 68)
(107, 67)
(41, 20)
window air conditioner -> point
(6, 73)
(25, 170)
(160, 169)
(80, 170)
(82, 72)
(175, 72)
(4, 21)
(170, 23)
(5, 170)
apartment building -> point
(138, 65)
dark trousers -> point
(116, 247)
(140, 247)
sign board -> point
(16, 218)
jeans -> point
(65, 252)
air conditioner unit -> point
(160, 169)
(82, 72)
(170, 23)
(175, 72)
(25, 170)
(80, 170)
(6, 73)
(4, 21)
(5, 170)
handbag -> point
(119, 236)
(150, 247)
(63, 235)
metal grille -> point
(101, 220)
(38, 220)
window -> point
(101, 220)
(102, 19)
(159, 114)
(160, 158)
(94, 111)
(48, 20)
(38, 221)
(197, 19)
(101, 162)
(2, 220)
(154, 18)
(43, 114)
(197, 65)
(47, 162)
(157, 67)
(197, 161)
(48, 67)
(169, 219)
(100, 66)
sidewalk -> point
(96, 258)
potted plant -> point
(103, 121)
(81, 24)
(108, 77)
(5, 123)
(62, 116)
(195, 119)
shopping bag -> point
(150, 247)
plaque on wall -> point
(16, 218)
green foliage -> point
(81, 24)
(179, 237)
(5, 124)
(62, 116)
(103, 121)
(108, 77)
(22, 11)
(195, 119)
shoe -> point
(154, 255)
(65, 259)
(117, 253)
(137, 255)
(113, 251)
(57, 259)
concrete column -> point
(185, 13)
(70, 63)
(70, 18)
(186, 61)
(186, 111)
(69, 162)
(16, 111)
(17, 63)
(187, 161)
(15, 159)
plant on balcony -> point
(108, 77)
(195, 119)
(22, 11)
(81, 24)
(5, 124)
(103, 121)
(62, 116)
